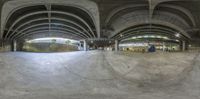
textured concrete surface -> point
(99, 75)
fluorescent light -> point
(177, 35)
(165, 38)
(177, 40)
(158, 37)
(146, 36)
(134, 37)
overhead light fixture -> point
(158, 36)
(134, 37)
(152, 36)
(165, 38)
(146, 36)
(177, 35)
(177, 40)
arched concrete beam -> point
(41, 24)
(88, 6)
(41, 12)
(42, 28)
(38, 30)
(178, 20)
(117, 10)
(42, 32)
(54, 18)
(154, 3)
(148, 27)
(183, 10)
(21, 31)
(163, 16)
(138, 30)
(129, 34)
(154, 21)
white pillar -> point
(116, 45)
(85, 45)
(163, 46)
(183, 46)
(79, 46)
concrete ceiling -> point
(112, 19)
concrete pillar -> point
(163, 46)
(14, 45)
(183, 46)
(85, 45)
(79, 46)
(1, 45)
(171, 45)
(116, 45)
(1, 42)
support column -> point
(171, 49)
(85, 45)
(116, 45)
(79, 46)
(14, 45)
(1, 45)
(183, 46)
(163, 46)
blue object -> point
(152, 49)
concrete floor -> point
(99, 75)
